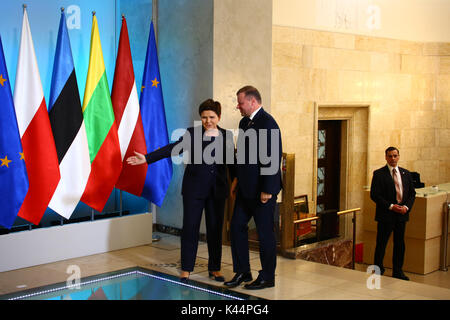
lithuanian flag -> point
(101, 129)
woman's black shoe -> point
(185, 279)
(216, 278)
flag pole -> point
(120, 191)
(30, 227)
(92, 210)
(156, 237)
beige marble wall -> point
(399, 19)
(242, 53)
(406, 86)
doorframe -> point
(347, 148)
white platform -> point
(39, 246)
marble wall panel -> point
(285, 84)
(405, 83)
(314, 38)
(376, 44)
(443, 87)
(428, 169)
(385, 62)
(428, 119)
(444, 65)
(444, 168)
(344, 41)
(287, 55)
(423, 87)
(283, 34)
(419, 64)
(444, 137)
(410, 47)
(350, 84)
(436, 49)
(311, 84)
(418, 137)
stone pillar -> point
(242, 53)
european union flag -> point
(153, 116)
(13, 174)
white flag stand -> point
(155, 237)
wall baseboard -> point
(174, 231)
(39, 246)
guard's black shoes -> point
(238, 279)
(260, 283)
(400, 275)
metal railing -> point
(339, 213)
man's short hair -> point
(391, 149)
(210, 104)
(250, 91)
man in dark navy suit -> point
(257, 184)
(393, 192)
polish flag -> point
(39, 149)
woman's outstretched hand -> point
(137, 159)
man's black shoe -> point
(400, 275)
(238, 279)
(260, 283)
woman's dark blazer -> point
(199, 176)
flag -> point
(66, 118)
(13, 174)
(153, 116)
(125, 102)
(38, 145)
(101, 129)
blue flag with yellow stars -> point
(153, 116)
(13, 173)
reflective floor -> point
(128, 284)
(294, 279)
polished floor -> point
(295, 279)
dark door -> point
(329, 164)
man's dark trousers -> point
(262, 214)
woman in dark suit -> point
(205, 185)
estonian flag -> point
(66, 118)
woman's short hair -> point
(210, 104)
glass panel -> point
(321, 175)
(321, 181)
(130, 284)
(320, 207)
(321, 144)
(320, 189)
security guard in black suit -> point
(393, 192)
